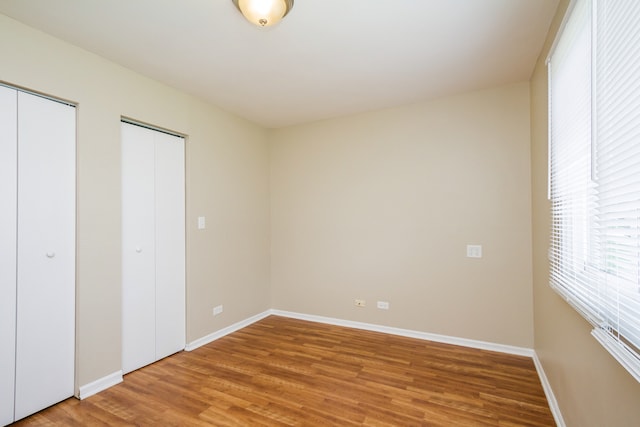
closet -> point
(153, 245)
(37, 252)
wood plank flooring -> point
(286, 372)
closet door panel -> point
(138, 248)
(45, 330)
(170, 245)
(8, 236)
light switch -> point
(200, 222)
(474, 251)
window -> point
(594, 174)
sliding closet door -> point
(8, 222)
(138, 247)
(45, 329)
(153, 246)
(170, 245)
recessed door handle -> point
(138, 249)
(51, 254)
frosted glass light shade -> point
(264, 13)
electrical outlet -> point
(474, 251)
(383, 305)
(217, 310)
(359, 303)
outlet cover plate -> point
(474, 251)
(383, 305)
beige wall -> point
(381, 206)
(592, 389)
(227, 181)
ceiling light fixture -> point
(264, 13)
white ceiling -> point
(327, 58)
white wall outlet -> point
(383, 305)
(474, 251)
(217, 310)
(201, 223)
(359, 303)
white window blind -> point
(570, 155)
(594, 89)
(617, 175)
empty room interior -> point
(379, 166)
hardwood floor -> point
(281, 371)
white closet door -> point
(138, 247)
(170, 244)
(153, 238)
(8, 223)
(46, 254)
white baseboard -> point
(483, 345)
(100, 384)
(548, 391)
(225, 331)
